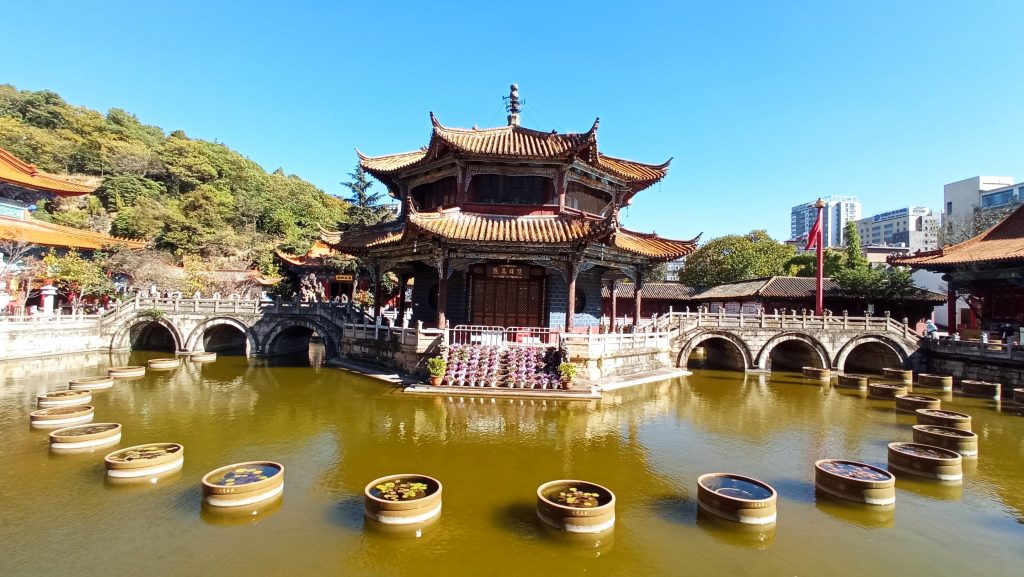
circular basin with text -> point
(944, 419)
(963, 442)
(91, 383)
(63, 399)
(852, 381)
(898, 375)
(911, 403)
(163, 364)
(854, 481)
(981, 389)
(926, 461)
(402, 499)
(888, 391)
(941, 382)
(62, 416)
(127, 372)
(145, 460)
(576, 506)
(243, 484)
(85, 436)
(737, 498)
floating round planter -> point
(911, 403)
(402, 499)
(926, 461)
(1018, 396)
(127, 372)
(202, 357)
(243, 484)
(963, 442)
(576, 506)
(86, 436)
(886, 390)
(737, 498)
(942, 382)
(898, 375)
(163, 364)
(981, 389)
(61, 416)
(816, 373)
(145, 460)
(852, 381)
(853, 481)
(91, 383)
(63, 399)
(944, 419)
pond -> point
(335, 432)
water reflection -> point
(335, 432)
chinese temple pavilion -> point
(509, 226)
(987, 270)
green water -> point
(334, 433)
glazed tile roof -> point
(788, 287)
(651, 245)
(654, 290)
(313, 257)
(16, 172)
(453, 224)
(771, 287)
(517, 142)
(1001, 244)
(37, 232)
(357, 241)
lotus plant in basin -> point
(404, 499)
(243, 484)
(576, 506)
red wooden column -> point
(614, 290)
(570, 295)
(442, 293)
(639, 284)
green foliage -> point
(191, 197)
(855, 259)
(366, 208)
(883, 283)
(567, 371)
(736, 257)
(806, 264)
(436, 366)
(76, 276)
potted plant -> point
(567, 371)
(436, 366)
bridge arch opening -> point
(225, 339)
(871, 357)
(792, 355)
(151, 336)
(293, 340)
(717, 353)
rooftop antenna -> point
(513, 105)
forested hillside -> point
(190, 197)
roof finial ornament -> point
(513, 105)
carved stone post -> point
(403, 279)
(377, 273)
(614, 289)
(570, 295)
(442, 293)
(639, 284)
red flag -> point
(815, 232)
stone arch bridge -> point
(763, 342)
(247, 327)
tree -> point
(806, 264)
(854, 256)
(365, 209)
(736, 257)
(76, 276)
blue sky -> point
(763, 105)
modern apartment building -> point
(838, 211)
(961, 198)
(912, 227)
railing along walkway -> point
(976, 349)
(683, 321)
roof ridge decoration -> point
(515, 141)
